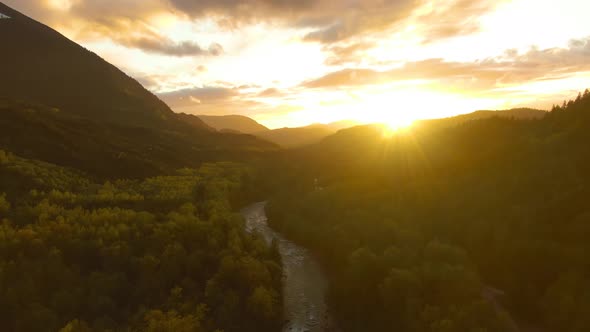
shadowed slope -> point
(40, 65)
(237, 123)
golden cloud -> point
(511, 68)
(329, 21)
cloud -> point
(358, 17)
(125, 22)
(347, 77)
(155, 82)
(198, 95)
(270, 92)
(165, 46)
(147, 81)
(453, 18)
(335, 21)
(140, 35)
(341, 54)
(103, 12)
(245, 8)
(510, 68)
(215, 100)
(328, 21)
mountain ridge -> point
(296, 137)
(233, 122)
(107, 149)
(515, 113)
(48, 68)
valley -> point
(304, 283)
(425, 191)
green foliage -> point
(112, 151)
(4, 206)
(158, 321)
(76, 326)
(414, 227)
(160, 254)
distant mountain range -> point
(285, 137)
(301, 136)
(515, 113)
(64, 104)
(364, 147)
(296, 137)
(342, 124)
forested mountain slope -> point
(516, 113)
(415, 227)
(161, 254)
(239, 123)
(40, 65)
(112, 150)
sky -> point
(297, 62)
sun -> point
(393, 120)
(396, 111)
(399, 109)
(392, 127)
(397, 123)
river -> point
(304, 282)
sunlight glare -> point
(397, 123)
(399, 109)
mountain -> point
(515, 113)
(342, 124)
(62, 104)
(193, 121)
(363, 146)
(113, 150)
(302, 136)
(505, 193)
(38, 64)
(235, 123)
(285, 137)
(296, 137)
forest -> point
(451, 226)
(119, 214)
(478, 226)
(160, 254)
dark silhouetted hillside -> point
(113, 150)
(516, 113)
(39, 65)
(235, 123)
